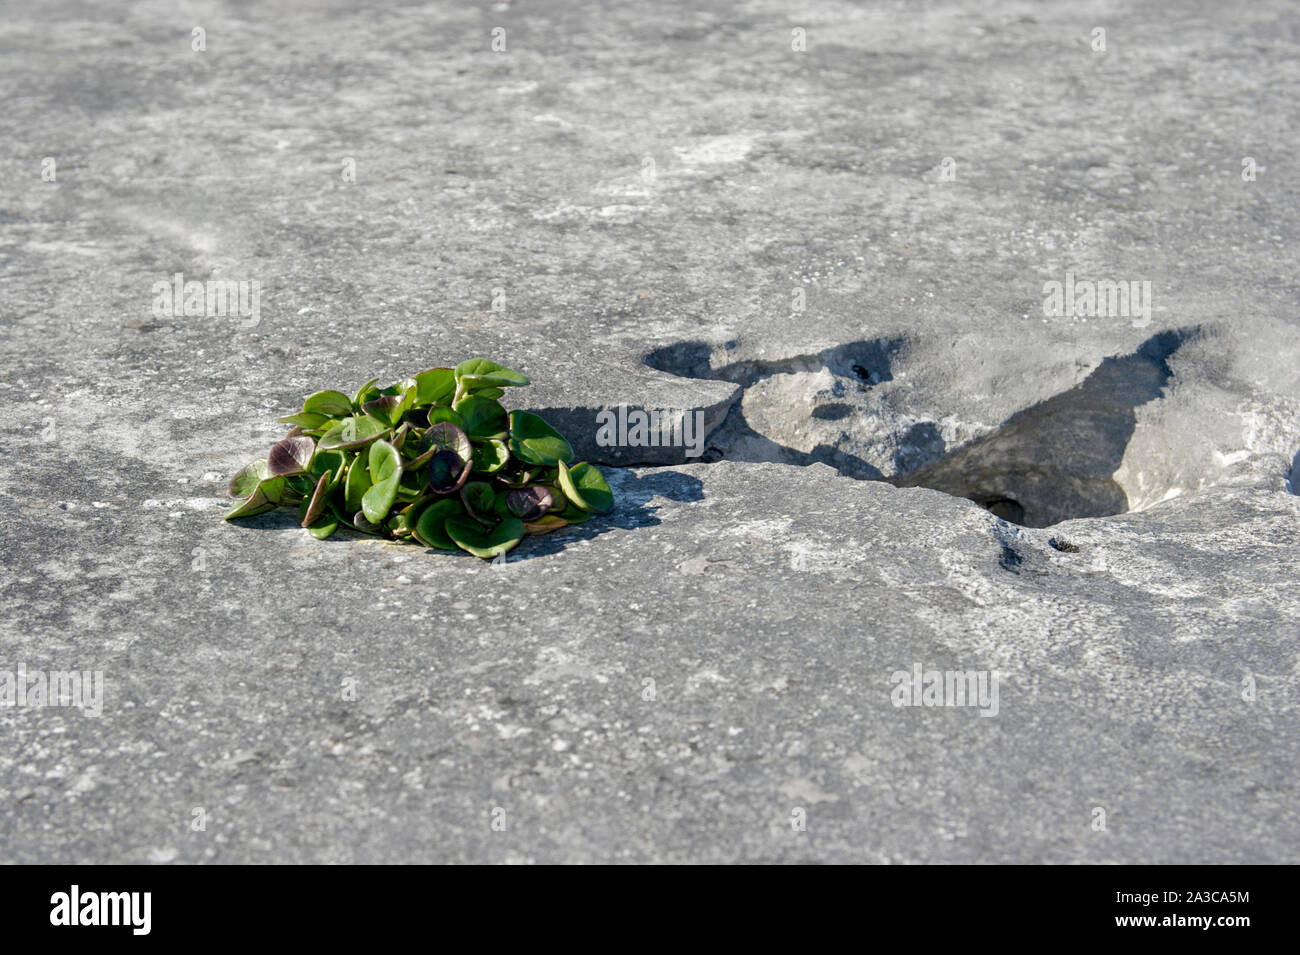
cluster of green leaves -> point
(434, 459)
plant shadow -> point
(280, 519)
(633, 509)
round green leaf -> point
(479, 372)
(308, 421)
(533, 441)
(472, 536)
(385, 462)
(249, 476)
(265, 496)
(335, 404)
(434, 386)
(440, 414)
(416, 508)
(386, 472)
(585, 486)
(353, 433)
(430, 526)
(357, 483)
(386, 408)
(376, 502)
(483, 417)
(324, 527)
(490, 456)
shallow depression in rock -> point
(1054, 461)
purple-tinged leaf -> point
(529, 503)
(291, 456)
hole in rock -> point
(1050, 462)
(835, 411)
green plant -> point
(433, 459)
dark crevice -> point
(1010, 559)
